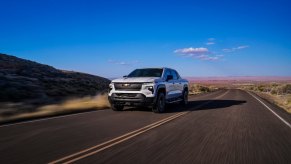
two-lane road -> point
(227, 126)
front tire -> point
(160, 104)
(117, 107)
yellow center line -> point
(125, 139)
(105, 145)
(112, 140)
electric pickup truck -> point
(151, 87)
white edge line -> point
(271, 110)
(49, 118)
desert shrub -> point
(261, 88)
(273, 92)
(274, 84)
(286, 89)
(279, 90)
(289, 99)
(268, 88)
(204, 89)
(197, 88)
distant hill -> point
(22, 79)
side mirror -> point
(169, 77)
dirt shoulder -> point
(283, 101)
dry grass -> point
(201, 88)
(283, 101)
(277, 93)
(72, 105)
(99, 101)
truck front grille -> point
(128, 86)
(127, 95)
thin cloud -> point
(123, 62)
(242, 47)
(208, 58)
(200, 53)
(235, 48)
(210, 43)
(192, 51)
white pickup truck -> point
(154, 87)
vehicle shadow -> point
(194, 106)
(204, 105)
(213, 104)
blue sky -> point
(111, 38)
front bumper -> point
(131, 99)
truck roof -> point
(156, 68)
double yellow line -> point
(95, 149)
(105, 145)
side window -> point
(175, 76)
(167, 73)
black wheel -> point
(117, 107)
(160, 104)
(184, 101)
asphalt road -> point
(227, 126)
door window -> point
(175, 76)
(167, 73)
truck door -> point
(170, 86)
(178, 87)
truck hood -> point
(136, 80)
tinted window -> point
(175, 76)
(167, 73)
(150, 72)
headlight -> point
(110, 87)
(149, 86)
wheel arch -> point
(161, 88)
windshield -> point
(149, 72)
